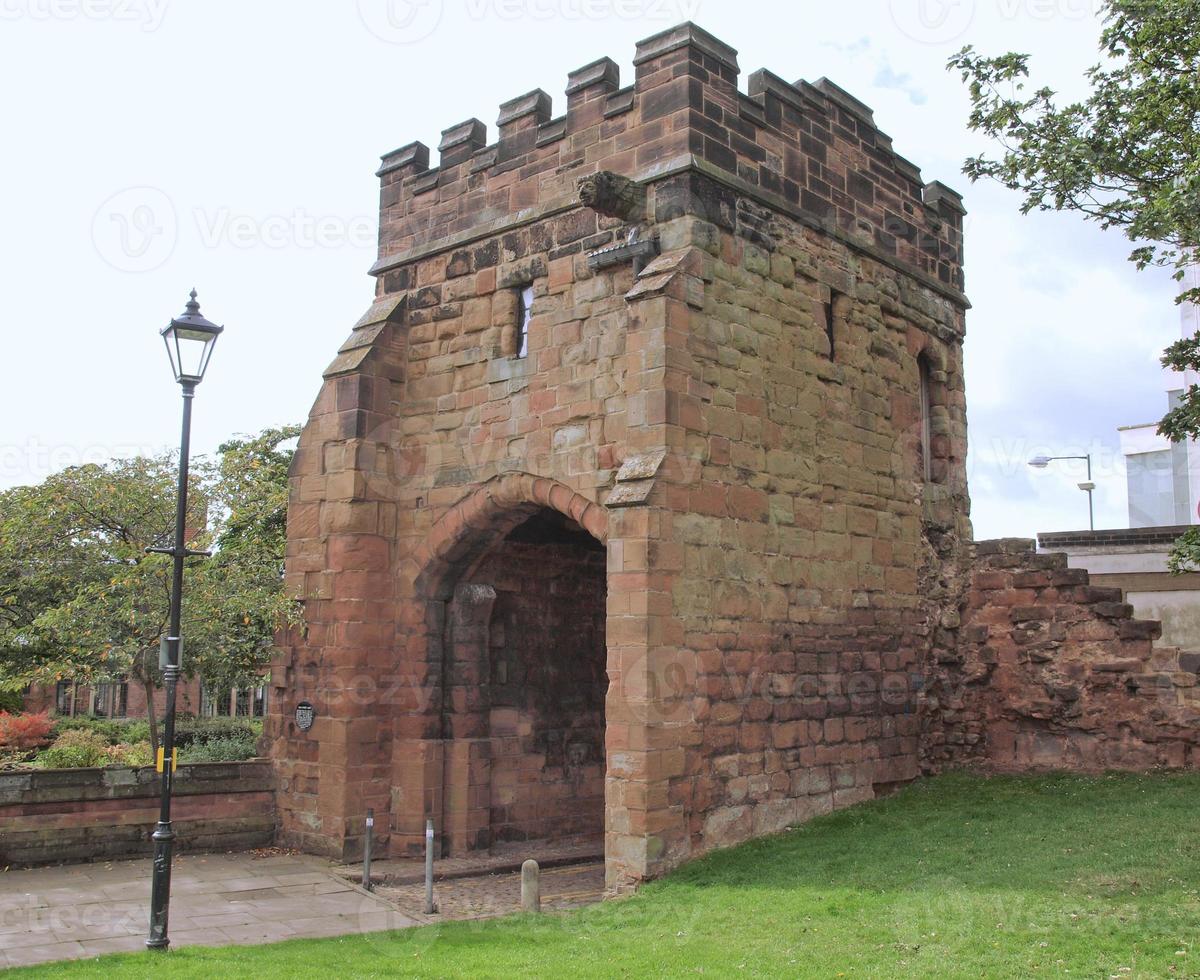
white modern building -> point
(1164, 477)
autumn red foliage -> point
(25, 731)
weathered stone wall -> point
(1052, 672)
(799, 521)
(49, 816)
(811, 149)
(765, 503)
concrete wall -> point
(49, 816)
(1178, 611)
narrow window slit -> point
(524, 315)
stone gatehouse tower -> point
(631, 504)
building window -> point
(926, 408)
(260, 702)
(829, 325)
(64, 697)
(215, 703)
(834, 311)
(524, 315)
(120, 707)
(101, 700)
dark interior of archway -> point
(546, 680)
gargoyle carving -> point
(613, 195)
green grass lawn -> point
(958, 876)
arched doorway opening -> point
(524, 685)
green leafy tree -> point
(81, 599)
(1127, 156)
(239, 591)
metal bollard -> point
(430, 908)
(531, 887)
(366, 882)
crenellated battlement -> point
(810, 149)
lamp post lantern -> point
(1041, 462)
(189, 339)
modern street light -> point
(190, 339)
(1041, 462)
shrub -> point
(78, 749)
(136, 756)
(221, 749)
(112, 732)
(136, 731)
(26, 731)
(201, 731)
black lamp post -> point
(190, 339)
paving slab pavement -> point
(85, 910)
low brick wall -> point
(53, 815)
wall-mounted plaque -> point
(305, 713)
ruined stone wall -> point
(1052, 672)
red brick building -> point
(120, 700)
(636, 503)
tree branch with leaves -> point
(1126, 157)
(81, 600)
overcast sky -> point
(150, 146)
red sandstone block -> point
(1140, 629)
(1031, 579)
(856, 729)
(1014, 597)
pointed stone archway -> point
(502, 619)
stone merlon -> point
(811, 149)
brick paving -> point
(486, 896)
(80, 911)
(500, 859)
